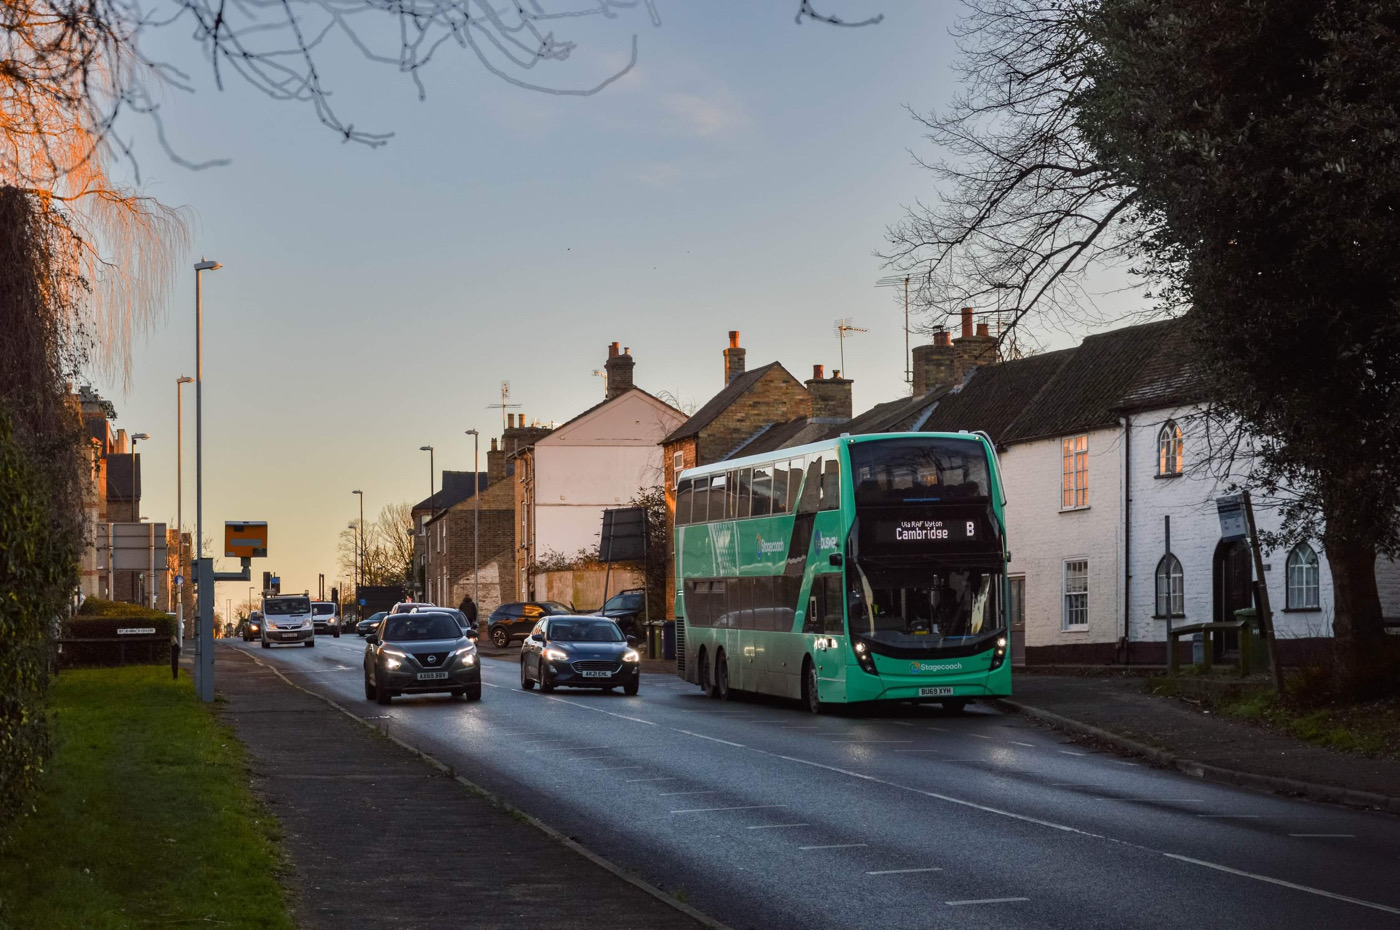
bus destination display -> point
(908, 531)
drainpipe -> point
(1127, 538)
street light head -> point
(136, 436)
(357, 492)
(425, 448)
(207, 266)
(184, 379)
(472, 432)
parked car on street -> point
(407, 607)
(421, 652)
(627, 609)
(370, 622)
(513, 621)
(579, 652)
(324, 618)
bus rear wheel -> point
(702, 667)
(811, 697)
(721, 690)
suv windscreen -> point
(554, 607)
(629, 601)
(287, 605)
(408, 628)
(324, 610)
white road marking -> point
(618, 768)
(936, 729)
(662, 778)
(1121, 762)
(743, 807)
(1280, 882)
(1017, 743)
(1150, 800)
(568, 749)
(775, 826)
(985, 901)
(1231, 816)
(918, 750)
(902, 871)
(872, 741)
(836, 846)
(1070, 752)
(713, 739)
(978, 736)
(676, 794)
(598, 710)
(800, 726)
(898, 723)
(1325, 836)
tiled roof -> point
(720, 402)
(1171, 377)
(456, 487)
(891, 416)
(996, 395)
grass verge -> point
(144, 816)
(1368, 729)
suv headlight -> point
(467, 655)
(631, 655)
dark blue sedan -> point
(579, 652)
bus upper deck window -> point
(762, 492)
(831, 484)
(684, 495)
(811, 486)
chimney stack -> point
(733, 358)
(831, 397)
(495, 464)
(933, 364)
(975, 348)
(619, 368)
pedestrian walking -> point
(468, 608)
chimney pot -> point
(733, 339)
(612, 350)
(943, 338)
(966, 322)
(984, 329)
(619, 370)
(835, 373)
(733, 358)
(818, 372)
(493, 445)
(510, 421)
(626, 350)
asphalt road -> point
(764, 816)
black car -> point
(252, 627)
(370, 622)
(579, 652)
(626, 608)
(511, 621)
(420, 653)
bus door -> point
(826, 617)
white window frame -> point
(1074, 472)
(1309, 585)
(677, 466)
(1171, 449)
(1080, 605)
(1173, 592)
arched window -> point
(1303, 579)
(1171, 588)
(1169, 448)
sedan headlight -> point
(255, 628)
(631, 655)
(556, 655)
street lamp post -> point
(204, 642)
(361, 549)
(432, 512)
(476, 515)
(355, 562)
(180, 383)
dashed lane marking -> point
(918, 750)
(1284, 884)
(1070, 752)
(776, 826)
(903, 871)
(1230, 816)
(742, 807)
(985, 901)
(871, 742)
(677, 794)
(1324, 836)
(836, 846)
(1018, 743)
(660, 778)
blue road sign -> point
(179, 579)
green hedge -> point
(81, 627)
(99, 619)
(38, 572)
(97, 607)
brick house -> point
(454, 539)
(600, 459)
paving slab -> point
(376, 837)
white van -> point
(325, 619)
(287, 619)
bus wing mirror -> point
(836, 559)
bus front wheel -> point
(721, 689)
(811, 697)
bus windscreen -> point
(925, 608)
(915, 470)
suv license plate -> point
(596, 674)
(431, 676)
(935, 692)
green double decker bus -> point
(864, 568)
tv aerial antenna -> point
(505, 395)
(600, 373)
(842, 327)
(896, 280)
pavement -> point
(377, 837)
(761, 815)
(1200, 742)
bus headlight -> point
(865, 657)
(998, 654)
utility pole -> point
(180, 383)
(895, 281)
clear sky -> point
(372, 300)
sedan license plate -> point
(596, 674)
(431, 676)
(935, 692)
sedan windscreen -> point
(407, 628)
(584, 631)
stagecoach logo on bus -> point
(907, 530)
(916, 667)
(764, 548)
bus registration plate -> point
(431, 676)
(935, 692)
